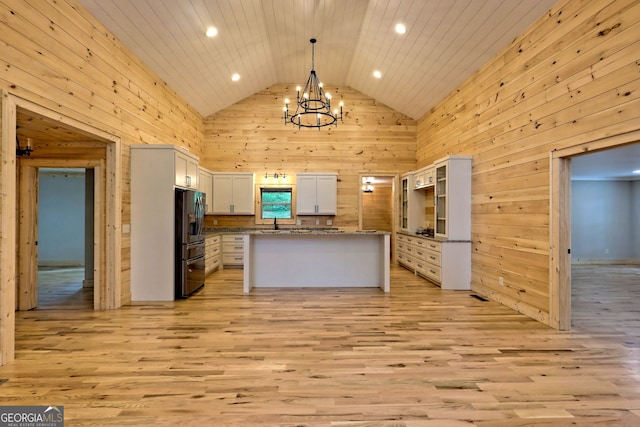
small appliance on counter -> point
(426, 232)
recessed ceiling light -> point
(377, 74)
(637, 171)
(401, 29)
(235, 77)
(212, 32)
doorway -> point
(53, 135)
(376, 198)
(65, 238)
(560, 212)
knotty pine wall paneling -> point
(573, 77)
(377, 208)
(251, 136)
(55, 54)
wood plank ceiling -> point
(267, 42)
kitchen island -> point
(323, 258)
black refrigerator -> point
(190, 207)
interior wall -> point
(602, 222)
(250, 136)
(377, 208)
(635, 215)
(61, 215)
(58, 56)
(571, 78)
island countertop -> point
(311, 231)
(290, 231)
(316, 258)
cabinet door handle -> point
(432, 257)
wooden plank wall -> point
(377, 208)
(55, 54)
(250, 136)
(573, 77)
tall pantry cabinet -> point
(156, 170)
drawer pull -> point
(432, 257)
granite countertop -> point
(270, 231)
(436, 239)
(317, 232)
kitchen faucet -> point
(275, 224)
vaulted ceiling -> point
(267, 42)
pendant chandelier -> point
(313, 109)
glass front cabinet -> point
(453, 198)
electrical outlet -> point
(501, 281)
(317, 222)
(215, 222)
(606, 251)
(329, 222)
(298, 221)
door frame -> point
(27, 288)
(560, 229)
(395, 181)
(109, 291)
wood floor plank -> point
(418, 356)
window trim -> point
(258, 204)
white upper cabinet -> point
(233, 194)
(317, 193)
(205, 185)
(412, 205)
(186, 170)
(423, 178)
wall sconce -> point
(26, 151)
(275, 176)
(367, 184)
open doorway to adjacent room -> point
(605, 238)
(376, 202)
(595, 233)
(65, 238)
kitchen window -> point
(276, 203)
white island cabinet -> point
(283, 259)
(317, 193)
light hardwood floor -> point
(418, 356)
(61, 288)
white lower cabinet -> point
(445, 263)
(233, 250)
(212, 253)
